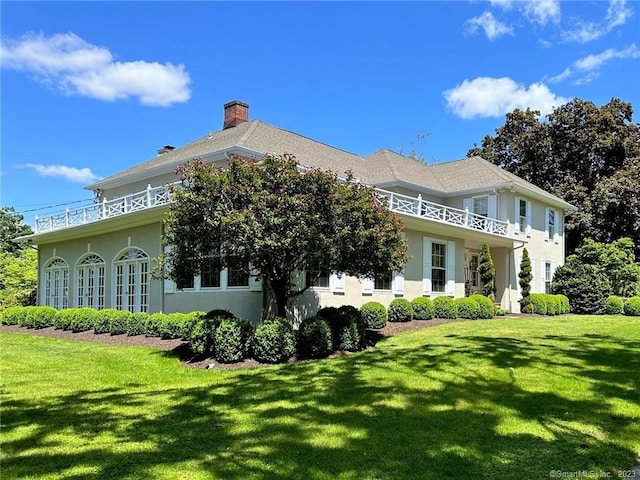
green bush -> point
(12, 315)
(467, 308)
(374, 315)
(172, 325)
(136, 323)
(83, 319)
(315, 337)
(632, 307)
(501, 312)
(231, 340)
(192, 319)
(153, 325)
(586, 286)
(202, 340)
(613, 305)
(553, 304)
(328, 313)
(538, 303)
(400, 310)
(102, 320)
(40, 317)
(423, 308)
(119, 321)
(64, 318)
(273, 341)
(445, 307)
(564, 304)
(348, 329)
(219, 313)
(485, 305)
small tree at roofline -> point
(272, 220)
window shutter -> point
(543, 275)
(546, 224)
(398, 283)
(451, 268)
(516, 226)
(426, 266)
(367, 286)
(337, 282)
(528, 219)
(492, 206)
(554, 265)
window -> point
(481, 206)
(90, 282)
(522, 215)
(131, 275)
(548, 276)
(186, 283)
(314, 277)
(553, 230)
(438, 267)
(237, 275)
(210, 276)
(383, 281)
(56, 283)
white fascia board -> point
(410, 185)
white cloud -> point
(582, 31)
(589, 65)
(494, 97)
(491, 26)
(76, 67)
(542, 11)
(505, 4)
(79, 175)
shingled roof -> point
(381, 167)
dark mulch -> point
(181, 348)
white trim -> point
(367, 286)
(337, 282)
(398, 283)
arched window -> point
(90, 282)
(56, 283)
(131, 276)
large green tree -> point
(585, 154)
(18, 261)
(12, 226)
(277, 219)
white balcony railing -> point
(155, 196)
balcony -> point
(156, 196)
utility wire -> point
(50, 206)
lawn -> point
(498, 399)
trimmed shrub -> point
(348, 328)
(374, 315)
(119, 321)
(400, 310)
(538, 303)
(192, 319)
(423, 308)
(564, 304)
(467, 308)
(328, 313)
(445, 307)
(83, 319)
(201, 340)
(273, 341)
(136, 323)
(632, 307)
(219, 313)
(501, 312)
(102, 320)
(153, 325)
(64, 318)
(12, 315)
(613, 305)
(40, 317)
(315, 338)
(173, 325)
(486, 309)
(231, 340)
(586, 286)
(553, 304)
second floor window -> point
(522, 215)
(481, 206)
(551, 225)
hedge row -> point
(111, 321)
(615, 305)
(424, 308)
(547, 304)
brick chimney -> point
(235, 113)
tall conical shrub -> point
(524, 279)
(487, 271)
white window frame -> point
(131, 272)
(56, 283)
(548, 237)
(450, 266)
(90, 273)
(518, 227)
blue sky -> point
(91, 88)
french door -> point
(132, 281)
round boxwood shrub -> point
(201, 340)
(485, 305)
(153, 325)
(64, 318)
(374, 315)
(538, 303)
(11, 315)
(632, 307)
(467, 308)
(231, 339)
(192, 319)
(136, 323)
(553, 304)
(423, 308)
(40, 317)
(348, 329)
(400, 310)
(118, 321)
(445, 307)
(564, 303)
(613, 305)
(273, 341)
(83, 319)
(172, 325)
(103, 320)
(219, 313)
(315, 338)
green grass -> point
(498, 399)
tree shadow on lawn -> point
(440, 414)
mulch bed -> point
(181, 348)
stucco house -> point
(101, 256)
